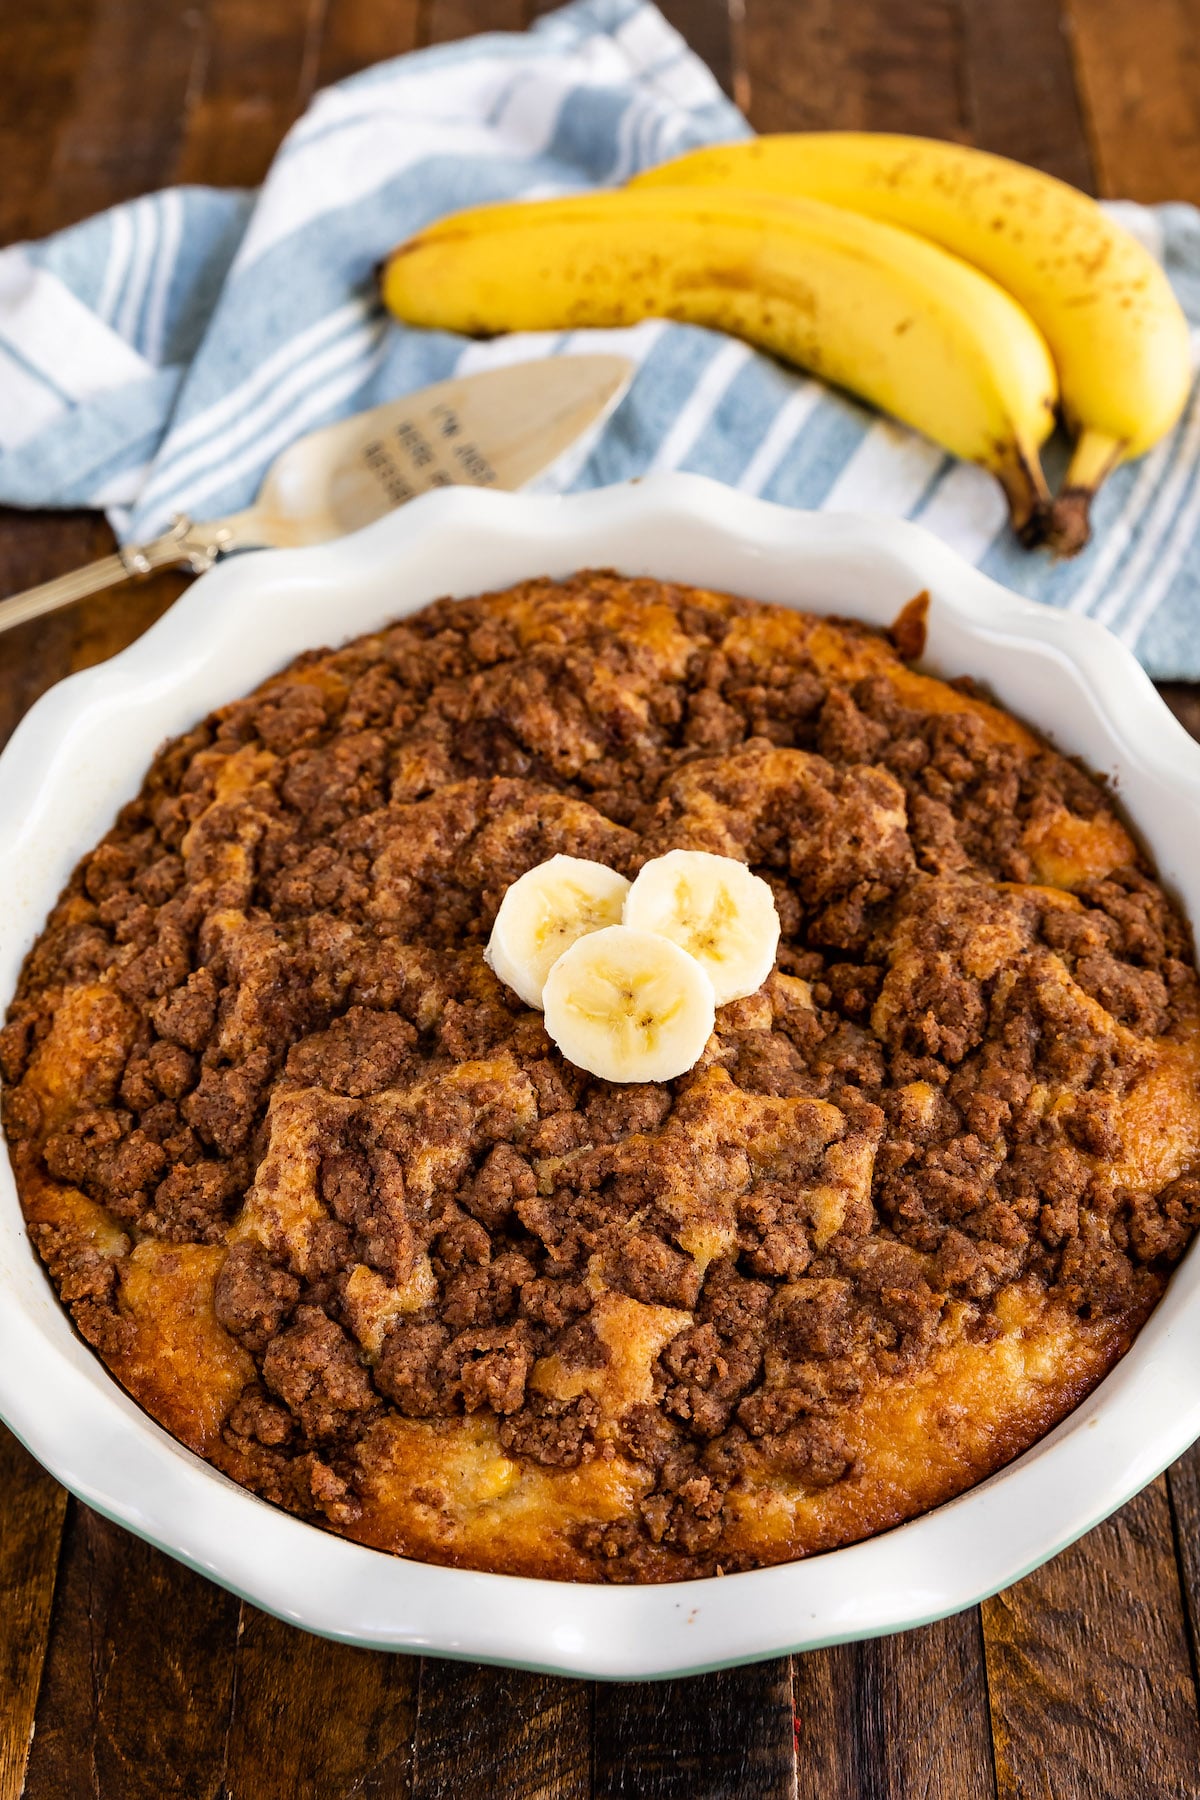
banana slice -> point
(716, 910)
(629, 1005)
(544, 912)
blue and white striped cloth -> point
(155, 359)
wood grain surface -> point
(896, 1717)
(139, 1673)
(124, 1675)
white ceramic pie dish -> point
(83, 750)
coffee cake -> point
(330, 1206)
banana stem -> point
(1069, 527)
(1029, 499)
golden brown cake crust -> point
(327, 1201)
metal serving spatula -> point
(498, 429)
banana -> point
(544, 912)
(875, 309)
(716, 910)
(1116, 332)
(629, 1005)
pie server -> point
(498, 429)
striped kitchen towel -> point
(155, 359)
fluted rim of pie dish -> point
(83, 749)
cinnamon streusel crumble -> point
(328, 1203)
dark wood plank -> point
(1089, 1669)
(502, 1733)
(138, 1683)
(134, 63)
(35, 547)
(34, 1506)
(1020, 87)
(311, 1718)
(868, 65)
(1138, 68)
(318, 1721)
(102, 132)
(897, 1717)
(528, 1735)
(42, 46)
(82, 126)
(258, 71)
(729, 1736)
(1183, 1491)
(357, 33)
(447, 20)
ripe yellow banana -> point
(1116, 332)
(880, 311)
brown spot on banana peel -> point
(742, 278)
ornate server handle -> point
(185, 545)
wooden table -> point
(123, 1675)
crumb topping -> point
(259, 1022)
